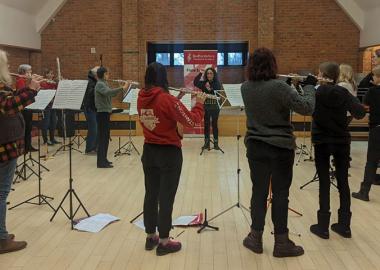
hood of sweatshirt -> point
(148, 96)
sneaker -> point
(151, 242)
(170, 247)
(54, 141)
(9, 245)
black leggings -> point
(270, 164)
(373, 157)
(212, 114)
(162, 166)
(341, 154)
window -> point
(235, 58)
(171, 54)
(178, 59)
(163, 58)
(220, 59)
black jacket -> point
(366, 82)
(89, 96)
(214, 85)
(330, 123)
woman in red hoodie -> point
(159, 114)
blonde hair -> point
(347, 75)
(5, 77)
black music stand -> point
(316, 178)
(42, 199)
(77, 137)
(238, 204)
(211, 148)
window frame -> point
(221, 47)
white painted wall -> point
(354, 11)
(18, 28)
(370, 36)
(47, 12)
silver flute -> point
(189, 91)
(125, 81)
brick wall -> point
(78, 27)
(303, 33)
(18, 56)
(310, 32)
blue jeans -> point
(92, 136)
(7, 171)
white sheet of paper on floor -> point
(184, 220)
(42, 100)
(140, 224)
(95, 223)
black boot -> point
(284, 247)
(362, 194)
(207, 144)
(216, 145)
(254, 241)
(343, 226)
(322, 228)
(52, 138)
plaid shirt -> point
(12, 103)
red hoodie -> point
(159, 113)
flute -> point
(295, 76)
(189, 91)
(30, 77)
(125, 81)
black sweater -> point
(372, 99)
(367, 81)
(214, 85)
(89, 96)
(330, 123)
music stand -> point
(219, 94)
(64, 147)
(69, 97)
(129, 97)
(77, 137)
(316, 178)
(238, 204)
(42, 199)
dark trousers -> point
(103, 120)
(341, 155)
(49, 122)
(268, 164)
(373, 157)
(28, 118)
(162, 166)
(92, 136)
(213, 115)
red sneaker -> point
(170, 247)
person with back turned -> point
(372, 100)
(103, 103)
(270, 148)
(159, 114)
(331, 137)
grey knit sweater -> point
(268, 105)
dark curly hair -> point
(262, 65)
(213, 71)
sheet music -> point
(186, 99)
(234, 94)
(70, 94)
(42, 100)
(131, 98)
(95, 223)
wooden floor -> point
(207, 181)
